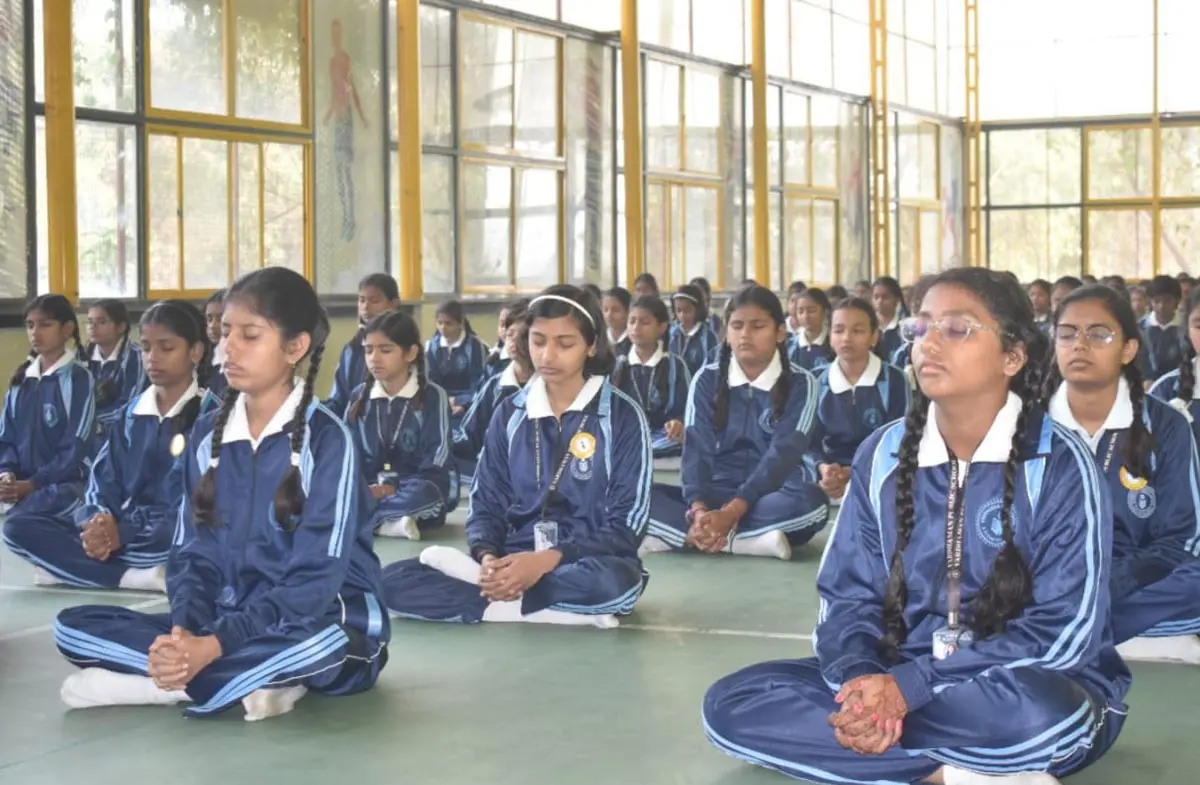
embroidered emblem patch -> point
(1143, 503)
(50, 415)
(871, 418)
(988, 525)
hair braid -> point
(289, 497)
(356, 409)
(721, 406)
(781, 390)
(422, 381)
(18, 375)
(895, 599)
(1187, 373)
(1140, 444)
(204, 498)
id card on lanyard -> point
(545, 532)
(952, 637)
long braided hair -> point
(1009, 585)
(1187, 360)
(401, 329)
(763, 298)
(1135, 454)
(287, 300)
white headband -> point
(566, 300)
(681, 295)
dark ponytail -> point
(205, 496)
(59, 309)
(1187, 367)
(289, 496)
(721, 407)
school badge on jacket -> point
(1142, 499)
(583, 449)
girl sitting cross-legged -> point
(653, 377)
(560, 497)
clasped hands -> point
(506, 578)
(871, 721)
(100, 536)
(175, 659)
(13, 490)
(834, 479)
(710, 530)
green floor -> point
(495, 704)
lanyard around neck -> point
(386, 414)
(955, 515)
(564, 449)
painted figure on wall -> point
(343, 103)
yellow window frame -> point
(668, 184)
(812, 195)
(231, 138)
(229, 65)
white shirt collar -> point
(802, 338)
(537, 401)
(695, 329)
(654, 360)
(1196, 387)
(838, 383)
(995, 447)
(219, 354)
(1119, 417)
(508, 377)
(407, 391)
(765, 381)
(615, 339)
(503, 353)
(894, 323)
(147, 402)
(447, 345)
(98, 356)
(237, 429)
(34, 371)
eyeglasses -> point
(952, 328)
(1096, 336)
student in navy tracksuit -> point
(615, 305)
(213, 308)
(377, 293)
(646, 285)
(1159, 328)
(454, 358)
(808, 344)
(692, 339)
(470, 435)
(401, 426)
(272, 582)
(701, 283)
(749, 469)
(888, 299)
(120, 535)
(1178, 387)
(655, 378)
(47, 428)
(560, 497)
(1147, 457)
(1040, 291)
(114, 361)
(499, 358)
(1025, 680)
(858, 393)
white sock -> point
(43, 577)
(264, 704)
(511, 612)
(953, 776)
(1180, 648)
(653, 545)
(774, 544)
(145, 579)
(452, 562)
(99, 687)
(403, 528)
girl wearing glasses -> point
(749, 448)
(1147, 458)
(858, 393)
(1003, 672)
(1179, 386)
(561, 493)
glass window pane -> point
(774, 130)
(106, 179)
(487, 83)
(1018, 242)
(658, 229)
(676, 274)
(589, 155)
(1180, 240)
(162, 208)
(1118, 163)
(897, 92)
(795, 138)
(1178, 55)
(927, 149)
(922, 76)
(603, 15)
(543, 8)
(14, 262)
(486, 226)
(284, 220)
(824, 229)
(104, 33)
(778, 37)
(205, 213)
(43, 224)
(436, 87)
(267, 85)
(717, 30)
(909, 235)
(437, 223)
(1121, 240)
(812, 44)
(797, 240)
(908, 160)
(1113, 75)
(919, 20)
(851, 55)
(703, 96)
(664, 23)
(39, 58)
(662, 115)
(1034, 166)
(535, 94)
(826, 113)
(247, 244)
(703, 226)
(775, 230)
(187, 70)
(931, 242)
(1180, 160)
(537, 228)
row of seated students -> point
(1071, 529)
